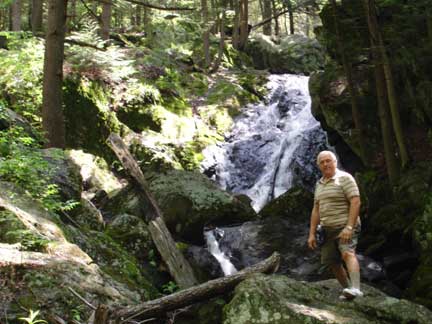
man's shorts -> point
(332, 248)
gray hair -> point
(333, 156)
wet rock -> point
(204, 263)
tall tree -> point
(15, 15)
(244, 22)
(355, 111)
(36, 16)
(291, 16)
(384, 117)
(266, 14)
(375, 34)
(52, 111)
(236, 25)
(222, 18)
(206, 33)
(106, 19)
(276, 18)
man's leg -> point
(340, 274)
(353, 267)
(350, 259)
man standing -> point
(336, 208)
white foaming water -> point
(213, 246)
(267, 141)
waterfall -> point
(272, 146)
(213, 247)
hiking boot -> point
(351, 293)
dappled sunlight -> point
(320, 314)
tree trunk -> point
(392, 164)
(244, 19)
(146, 20)
(106, 20)
(267, 13)
(375, 34)
(386, 130)
(276, 19)
(206, 34)
(16, 15)
(138, 16)
(52, 110)
(291, 16)
(36, 16)
(355, 111)
(236, 24)
(195, 294)
(174, 259)
(221, 40)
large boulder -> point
(294, 54)
(89, 261)
(190, 201)
(36, 250)
(278, 299)
(296, 203)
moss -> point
(89, 120)
(13, 231)
(295, 203)
(189, 200)
(116, 261)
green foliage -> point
(110, 63)
(22, 163)
(31, 319)
(21, 75)
(13, 231)
(169, 288)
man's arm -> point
(354, 212)
(314, 221)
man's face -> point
(327, 165)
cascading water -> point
(272, 145)
(213, 247)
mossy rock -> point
(189, 201)
(39, 281)
(209, 312)
(296, 203)
(95, 172)
(278, 300)
(13, 231)
(115, 260)
(295, 54)
(89, 120)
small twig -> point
(81, 298)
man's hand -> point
(345, 236)
(312, 243)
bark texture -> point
(52, 110)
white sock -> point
(355, 279)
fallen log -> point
(194, 294)
(178, 266)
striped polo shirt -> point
(333, 195)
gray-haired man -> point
(336, 208)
